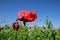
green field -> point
(30, 33)
(47, 32)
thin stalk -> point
(24, 22)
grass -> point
(29, 33)
(47, 32)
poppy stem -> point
(24, 22)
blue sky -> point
(50, 8)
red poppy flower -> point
(15, 25)
(27, 15)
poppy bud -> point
(15, 25)
(1, 28)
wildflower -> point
(1, 28)
(27, 16)
(15, 25)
